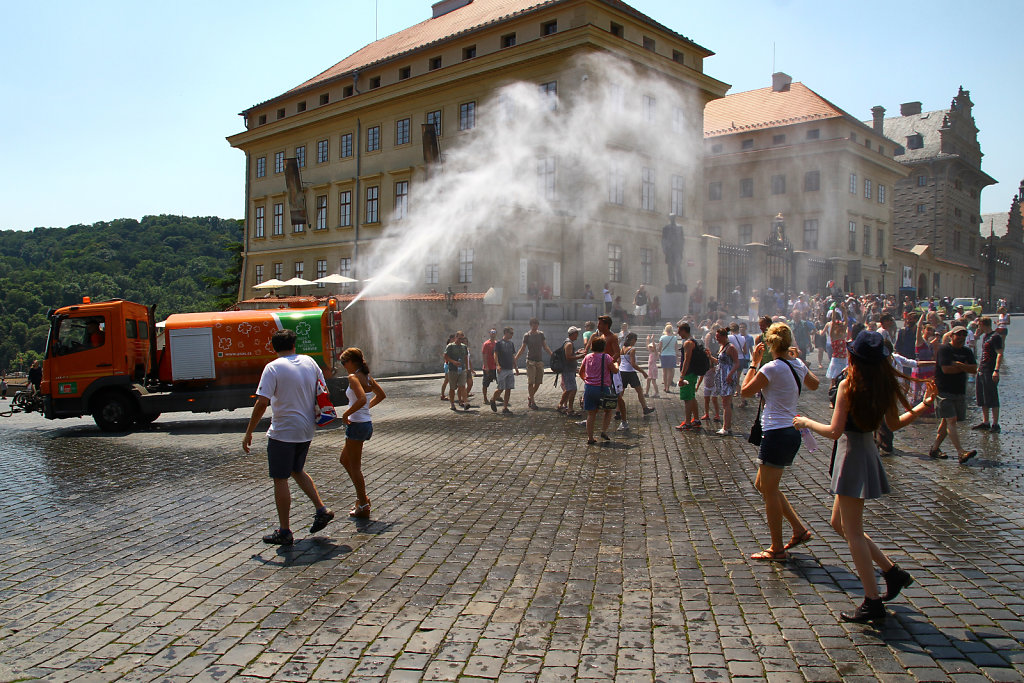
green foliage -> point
(180, 264)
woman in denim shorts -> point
(779, 382)
(363, 393)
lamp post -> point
(882, 267)
(449, 301)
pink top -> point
(592, 369)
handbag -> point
(324, 412)
(755, 430)
(606, 401)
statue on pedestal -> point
(672, 245)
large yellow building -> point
(565, 181)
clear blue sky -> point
(120, 109)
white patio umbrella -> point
(272, 283)
(296, 282)
(334, 280)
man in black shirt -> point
(987, 386)
(953, 363)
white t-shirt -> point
(781, 394)
(290, 383)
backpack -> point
(557, 360)
(699, 361)
(906, 340)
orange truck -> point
(111, 361)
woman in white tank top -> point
(363, 393)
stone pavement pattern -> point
(501, 547)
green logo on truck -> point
(306, 325)
(67, 387)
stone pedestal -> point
(673, 306)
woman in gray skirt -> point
(869, 394)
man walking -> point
(987, 386)
(456, 355)
(533, 343)
(953, 363)
(569, 388)
(289, 385)
(688, 380)
(505, 361)
(487, 360)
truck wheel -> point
(113, 413)
(146, 418)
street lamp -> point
(449, 301)
(882, 267)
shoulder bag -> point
(606, 401)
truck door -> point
(80, 352)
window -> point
(616, 30)
(469, 52)
(278, 162)
(867, 143)
(278, 270)
(811, 233)
(956, 240)
(649, 105)
(373, 138)
(298, 227)
(549, 90)
(546, 177)
(548, 28)
(678, 199)
(678, 120)
(747, 144)
(867, 189)
(957, 212)
(300, 268)
(779, 184)
(322, 151)
(259, 274)
(812, 181)
(922, 181)
(867, 240)
(852, 246)
(346, 145)
(278, 219)
(779, 139)
(915, 141)
(881, 150)
(746, 187)
(853, 136)
(324, 99)
(300, 156)
(921, 208)
(616, 184)
(881, 194)
(345, 209)
(258, 230)
(616, 97)
(374, 82)
(301, 106)
(853, 183)
(321, 212)
(880, 243)
(715, 191)
(321, 271)
(434, 63)
(647, 189)
(372, 199)
(508, 40)
(714, 229)
(745, 234)
(431, 270)
(404, 73)
(649, 44)
(434, 117)
(347, 91)
(280, 113)
(716, 149)
(615, 262)
(467, 116)
(261, 167)
(345, 268)
(646, 266)
(465, 265)
(814, 134)
(261, 120)
(401, 200)
(402, 132)
(678, 57)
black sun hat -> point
(869, 347)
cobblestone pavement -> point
(501, 547)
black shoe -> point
(605, 437)
(494, 406)
(465, 407)
(936, 454)
(982, 425)
(618, 415)
(995, 429)
(895, 580)
(279, 537)
(870, 610)
(321, 520)
(967, 455)
(454, 408)
(648, 411)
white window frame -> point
(465, 266)
(648, 196)
(401, 200)
(345, 209)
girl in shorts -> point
(363, 393)
(631, 371)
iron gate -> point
(733, 271)
(819, 273)
(779, 268)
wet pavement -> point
(500, 547)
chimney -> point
(446, 6)
(781, 81)
(910, 108)
(878, 117)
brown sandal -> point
(360, 510)
(799, 539)
(771, 556)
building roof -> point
(475, 15)
(997, 221)
(766, 108)
(927, 124)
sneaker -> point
(581, 423)
(321, 520)
(454, 408)
(982, 425)
(279, 537)
(870, 610)
(967, 455)
(648, 411)
(724, 432)
(494, 406)
(623, 426)
(995, 429)
(506, 410)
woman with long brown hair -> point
(363, 393)
(869, 394)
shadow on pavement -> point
(305, 552)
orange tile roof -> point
(765, 108)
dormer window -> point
(915, 141)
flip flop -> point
(799, 540)
(770, 556)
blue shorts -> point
(285, 457)
(569, 380)
(359, 431)
(592, 393)
(779, 447)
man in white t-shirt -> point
(289, 385)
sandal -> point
(591, 442)
(798, 540)
(771, 556)
(360, 510)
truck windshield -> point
(79, 334)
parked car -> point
(969, 303)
